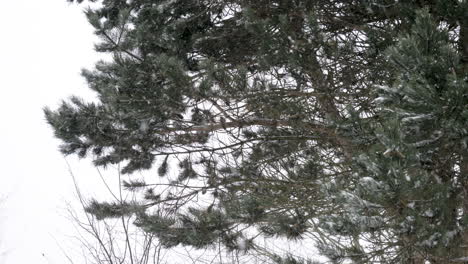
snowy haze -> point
(44, 45)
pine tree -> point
(344, 120)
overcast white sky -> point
(43, 46)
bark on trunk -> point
(463, 44)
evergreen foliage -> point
(341, 120)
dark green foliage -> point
(186, 170)
(133, 185)
(342, 119)
(162, 170)
(197, 228)
(291, 227)
(112, 210)
(291, 260)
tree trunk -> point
(463, 44)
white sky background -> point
(43, 45)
